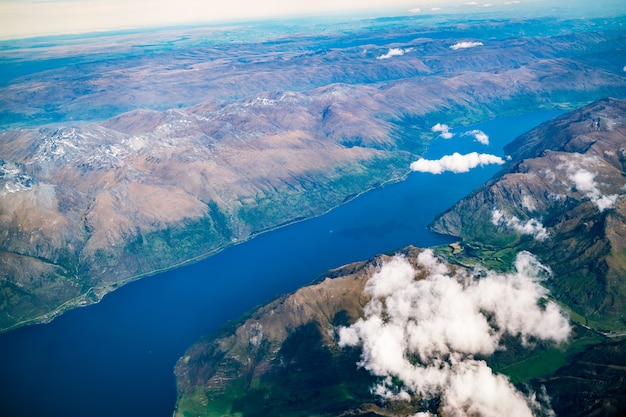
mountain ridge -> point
(566, 180)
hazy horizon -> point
(31, 18)
(34, 18)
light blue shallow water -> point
(116, 358)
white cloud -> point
(455, 162)
(478, 4)
(415, 10)
(605, 201)
(584, 181)
(445, 133)
(529, 203)
(479, 135)
(435, 9)
(465, 45)
(394, 52)
(426, 332)
(440, 127)
(443, 129)
(531, 227)
(512, 2)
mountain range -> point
(186, 150)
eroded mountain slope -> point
(561, 197)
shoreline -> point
(99, 292)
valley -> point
(245, 368)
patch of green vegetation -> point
(522, 364)
(312, 374)
(317, 193)
(592, 384)
(412, 133)
(576, 258)
(56, 290)
(519, 363)
(221, 223)
(145, 253)
(470, 254)
(305, 371)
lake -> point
(116, 358)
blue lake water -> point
(116, 358)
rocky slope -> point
(270, 133)
(562, 197)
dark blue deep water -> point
(116, 358)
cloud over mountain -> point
(584, 181)
(531, 227)
(456, 162)
(424, 326)
(465, 45)
(394, 52)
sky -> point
(23, 18)
(27, 18)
